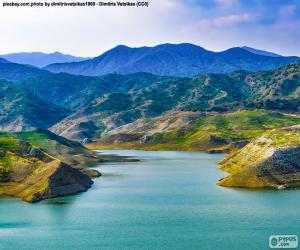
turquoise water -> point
(168, 200)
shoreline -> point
(158, 147)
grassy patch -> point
(240, 125)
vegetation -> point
(81, 104)
(18, 72)
(222, 93)
(209, 132)
(7, 144)
(245, 124)
(21, 110)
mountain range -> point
(145, 96)
(81, 107)
(173, 60)
(39, 59)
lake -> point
(168, 200)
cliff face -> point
(48, 180)
(272, 160)
(67, 180)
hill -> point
(35, 165)
(272, 160)
(21, 110)
(154, 96)
(2, 60)
(18, 72)
(39, 59)
(74, 92)
(172, 60)
(84, 107)
(260, 52)
(210, 132)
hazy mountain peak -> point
(121, 46)
(237, 51)
(260, 52)
(40, 59)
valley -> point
(51, 122)
(150, 125)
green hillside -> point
(209, 132)
(271, 90)
(18, 72)
(21, 110)
(80, 107)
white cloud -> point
(232, 20)
(91, 31)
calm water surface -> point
(168, 200)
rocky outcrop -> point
(272, 160)
(33, 174)
(65, 180)
(48, 180)
(92, 173)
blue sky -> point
(214, 24)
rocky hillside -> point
(272, 160)
(198, 131)
(155, 96)
(67, 151)
(82, 107)
(36, 165)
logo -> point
(283, 241)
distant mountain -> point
(171, 60)
(17, 72)
(39, 59)
(261, 52)
(3, 60)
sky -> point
(216, 25)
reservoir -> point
(167, 200)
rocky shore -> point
(273, 160)
(33, 174)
